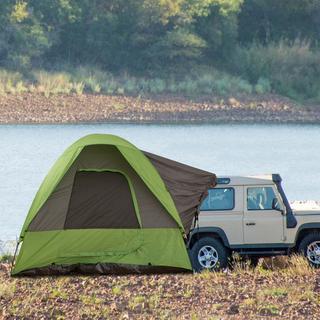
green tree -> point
(219, 28)
(22, 37)
(272, 20)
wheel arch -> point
(213, 232)
(306, 229)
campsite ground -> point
(284, 288)
(73, 108)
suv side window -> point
(218, 199)
(260, 198)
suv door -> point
(261, 223)
(223, 208)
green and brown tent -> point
(108, 207)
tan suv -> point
(252, 216)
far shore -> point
(89, 108)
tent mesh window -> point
(101, 200)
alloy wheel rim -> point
(313, 252)
(208, 257)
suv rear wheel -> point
(208, 254)
(310, 248)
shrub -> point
(205, 83)
(6, 258)
(78, 87)
(287, 70)
(130, 85)
(292, 69)
(7, 290)
(53, 83)
(94, 80)
(92, 85)
(263, 86)
(9, 81)
(157, 85)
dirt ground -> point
(285, 289)
(36, 108)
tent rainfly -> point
(108, 207)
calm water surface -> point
(28, 151)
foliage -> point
(154, 41)
(22, 37)
(267, 21)
(7, 290)
(289, 69)
(6, 258)
(92, 80)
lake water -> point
(28, 151)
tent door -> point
(105, 200)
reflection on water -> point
(28, 151)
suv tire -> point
(208, 253)
(310, 248)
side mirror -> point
(276, 205)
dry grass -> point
(92, 80)
(277, 288)
(7, 290)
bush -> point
(10, 82)
(6, 258)
(94, 80)
(263, 86)
(207, 81)
(53, 83)
(290, 69)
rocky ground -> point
(281, 289)
(36, 108)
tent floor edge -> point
(100, 269)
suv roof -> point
(223, 181)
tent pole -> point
(14, 256)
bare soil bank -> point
(289, 291)
(36, 108)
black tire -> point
(221, 250)
(305, 242)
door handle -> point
(250, 223)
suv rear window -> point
(218, 199)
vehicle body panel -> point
(261, 228)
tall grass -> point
(53, 83)
(92, 80)
(11, 82)
(290, 69)
(210, 83)
(7, 290)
